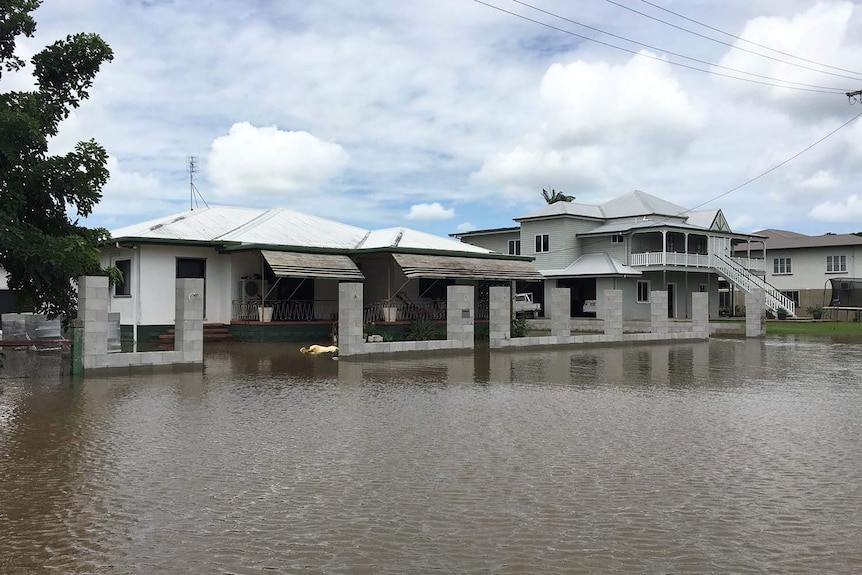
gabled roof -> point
(280, 227)
(593, 265)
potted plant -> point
(781, 313)
(816, 311)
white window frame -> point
(782, 266)
(638, 295)
(836, 264)
(617, 239)
(543, 243)
(514, 247)
(126, 286)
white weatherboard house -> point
(814, 270)
(637, 243)
(282, 267)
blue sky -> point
(452, 115)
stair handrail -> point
(779, 299)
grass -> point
(824, 328)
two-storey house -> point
(637, 243)
(812, 271)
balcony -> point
(677, 259)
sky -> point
(451, 115)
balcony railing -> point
(285, 310)
(397, 310)
(648, 259)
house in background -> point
(637, 243)
(280, 266)
(812, 270)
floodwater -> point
(724, 457)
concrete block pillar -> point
(613, 312)
(93, 296)
(755, 314)
(700, 313)
(189, 319)
(658, 312)
(460, 315)
(499, 314)
(561, 312)
(350, 318)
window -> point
(617, 239)
(543, 243)
(702, 288)
(836, 264)
(643, 292)
(124, 287)
(792, 296)
(781, 266)
(514, 247)
(723, 299)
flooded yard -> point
(727, 456)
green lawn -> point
(826, 328)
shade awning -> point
(428, 266)
(306, 265)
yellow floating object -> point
(316, 349)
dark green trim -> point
(152, 332)
(364, 251)
(305, 332)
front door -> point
(671, 300)
(194, 268)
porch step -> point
(212, 332)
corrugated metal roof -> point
(619, 227)
(429, 266)
(302, 265)
(633, 204)
(593, 265)
(282, 227)
(414, 239)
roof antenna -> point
(193, 190)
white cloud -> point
(465, 227)
(132, 192)
(849, 210)
(433, 211)
(270, 161)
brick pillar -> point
(658, 312)
(499, 314)
(755, 314)
(93, 312)
(460, 315)
(700, 313)
(613, 312)
(189, 319)
(349, 318)
(561, 312)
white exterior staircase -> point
(747, 281)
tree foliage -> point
(553, 196)
(41, 247)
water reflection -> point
(715, 457)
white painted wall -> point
(809, 267)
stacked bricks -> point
(755, 318)
(658, 312)
(189, 320)
(93, 297)
(350, 318)
(460, 315)
(700, 313)
(561, 311)
(613, 311)
(500, 314)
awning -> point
(593, 265)
(426, 266)
(303, 265)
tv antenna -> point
(194, 194)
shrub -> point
(421, 330)
(519, 327)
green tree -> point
(41, 247)
(553, 196)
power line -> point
(680, 64)
(677, 14)
(749, 181)
(674, 53)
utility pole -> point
(854, 96)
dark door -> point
(194, 268)
(671, 300)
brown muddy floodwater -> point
(722, 457)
